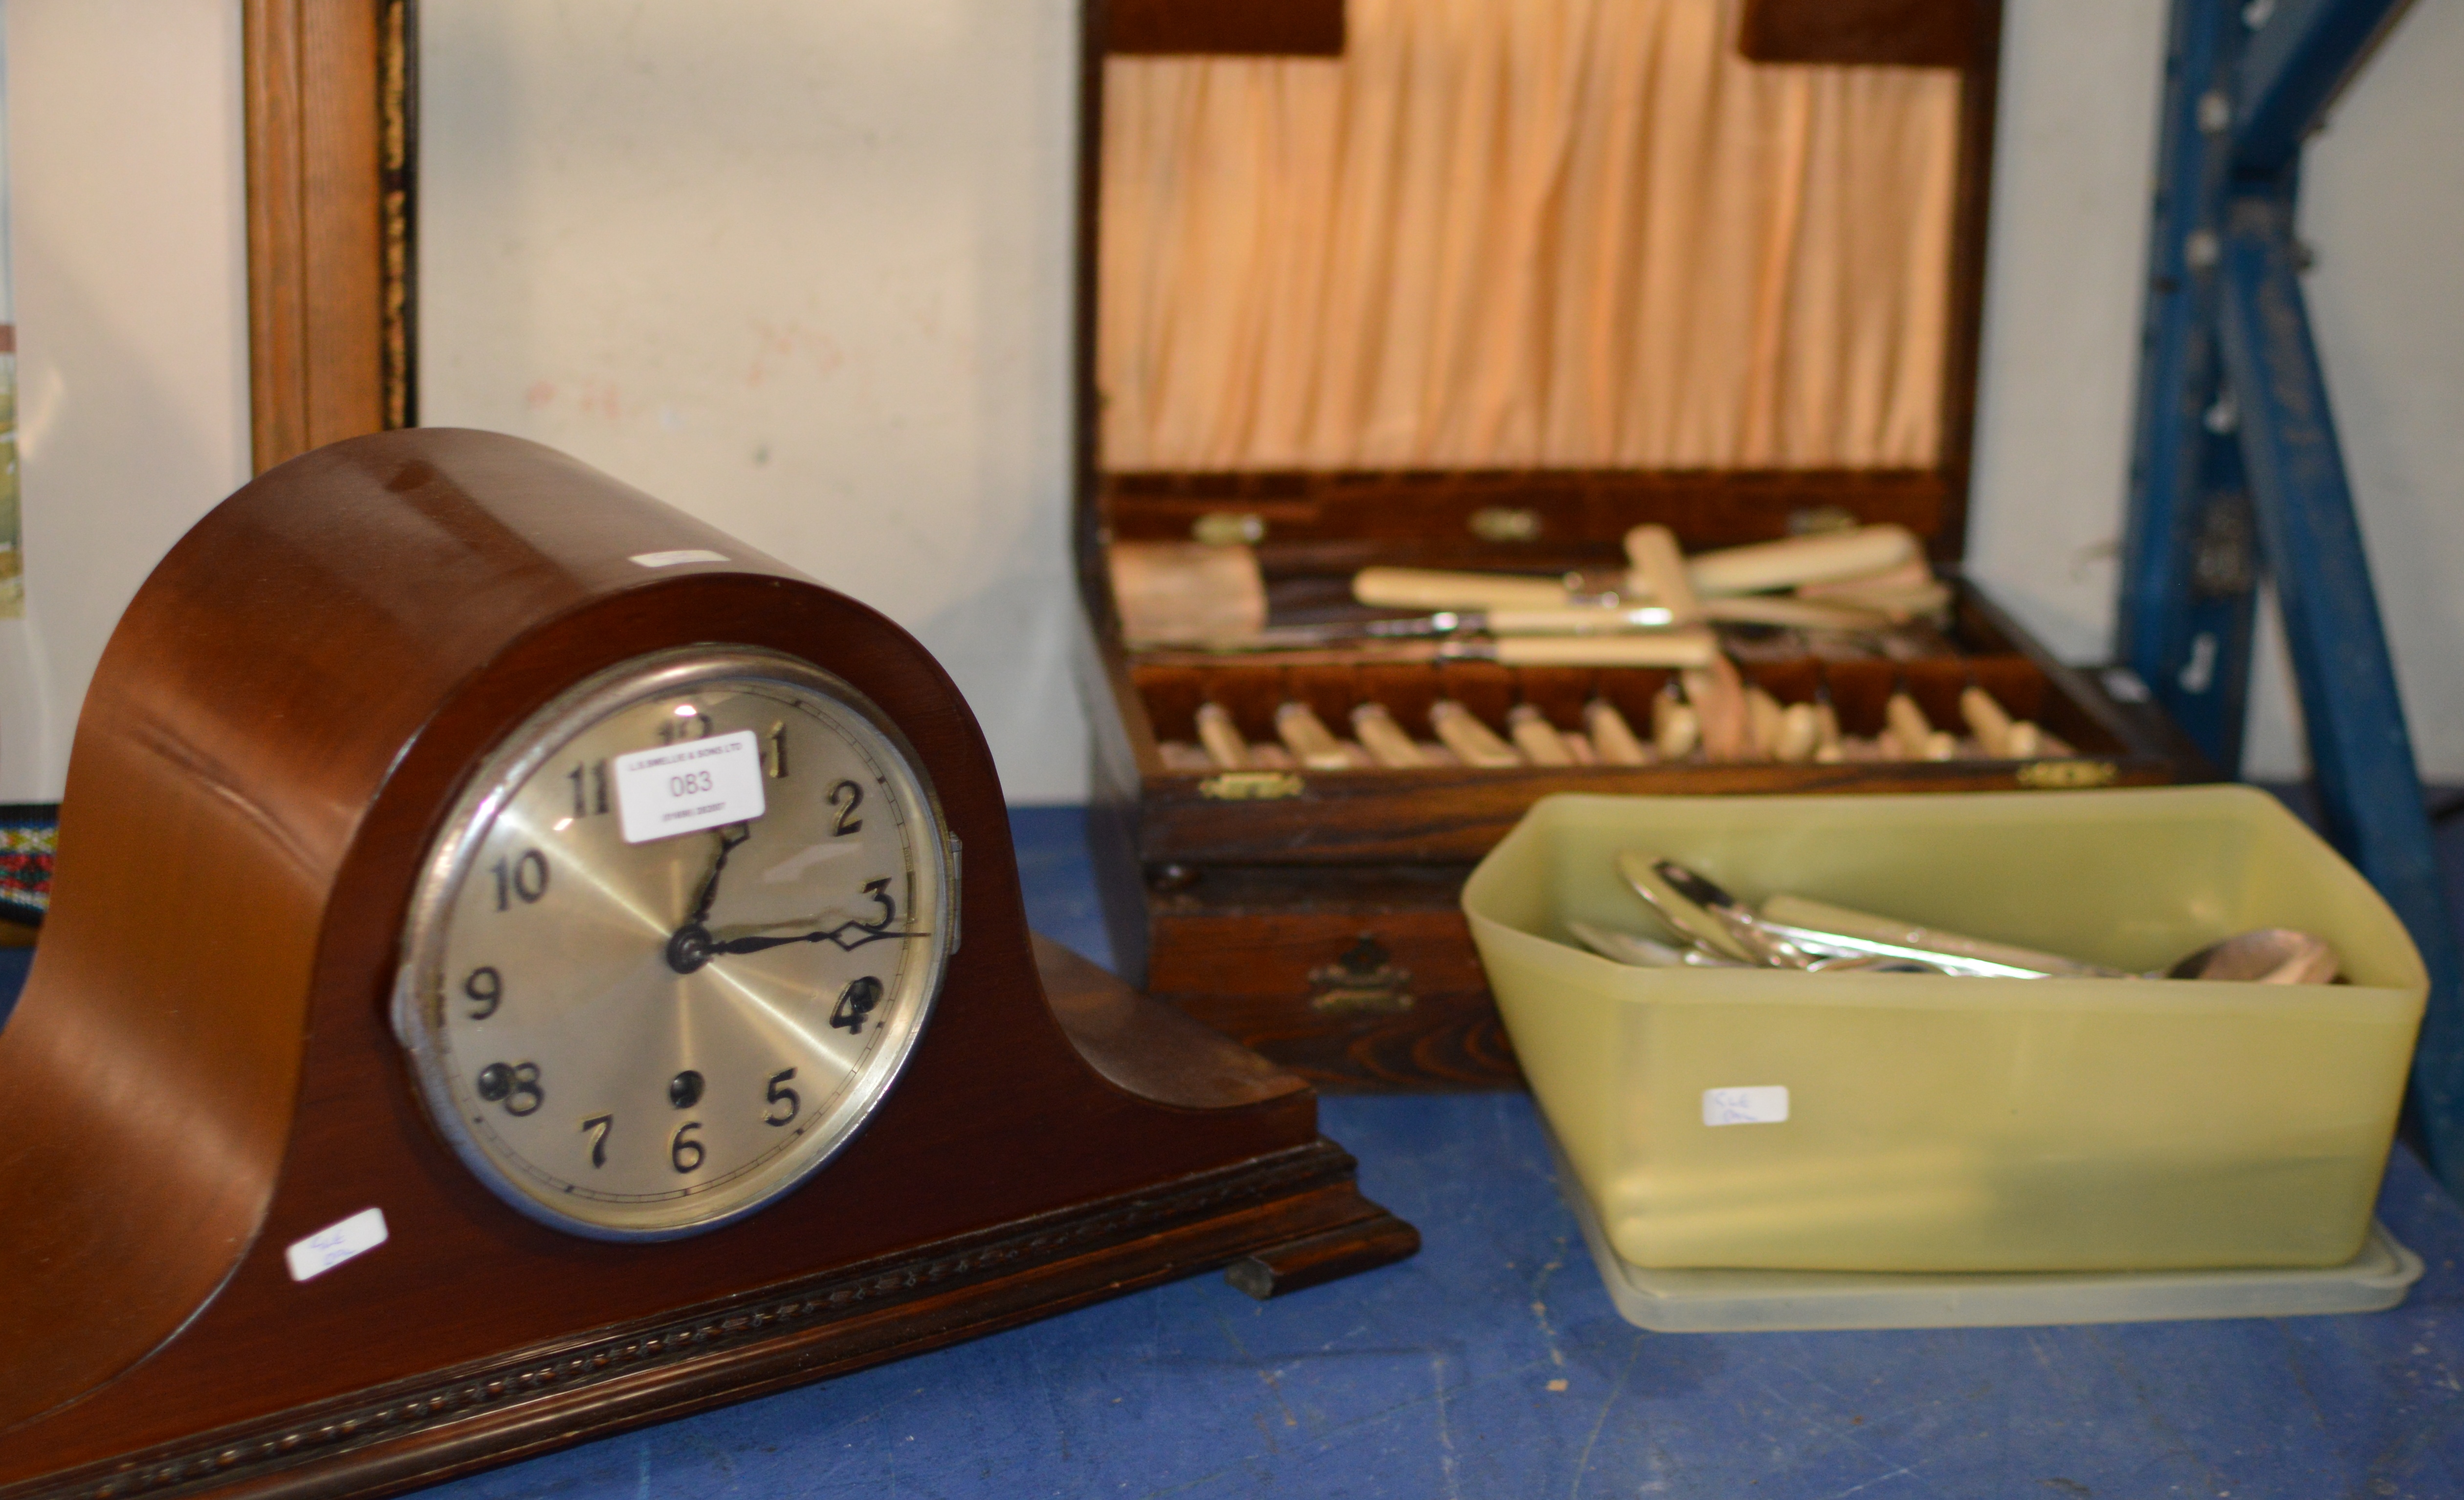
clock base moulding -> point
(200, 1073)
(1277, 1224)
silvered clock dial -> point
(676, 941)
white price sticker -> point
(1764, 1105)
(683, 789)
(336, 1243)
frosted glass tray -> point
(1774, 1301)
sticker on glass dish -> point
(1764, 1105)
(336, 1243)
(683, 789)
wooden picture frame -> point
(331, 95)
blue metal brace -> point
(2229, 352)
(2300, 55)
(2360, 752)
(2189, 567)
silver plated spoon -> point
(1809, 937)
(1701, 910)
(1626, 947)
(2261, 956)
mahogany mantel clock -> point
(522, 964)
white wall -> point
(2074, 149)
(805, 273)
(2383, 205)
(129, 244)
(804, 268)
(799, 268)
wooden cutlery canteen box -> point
(1486, 285)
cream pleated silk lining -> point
(1523, 234)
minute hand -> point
(838, 935)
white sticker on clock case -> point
(336, 1243)
(683, 789)
(1765, 1104)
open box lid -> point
(1436, 280)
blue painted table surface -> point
(1492, 1364)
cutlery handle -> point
(1641, 648)
(1800, 734)
(1803, 614)
(1660, 571)
(1536, 737)
(1574, 620)
(1613, 737)
(1385, 740)
(1987, 720)
(1800, 911)
(1675, 727)
(1305, 736)
(1804, 559)
(1424, 587)
(1221, 738)
(1462, 732)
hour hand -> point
(728, 837)
(757, 945)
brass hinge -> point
(1252, 785)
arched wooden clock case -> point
(200, 1073)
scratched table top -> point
(1494, 1364)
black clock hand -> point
(710, 886)
(689, 945)
(874, 931)
(757, 945)
(837, 935)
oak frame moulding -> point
(330, 90)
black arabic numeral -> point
(778, 750)
(782, 1096)
(486, 989)
(598, 1125)
(525, 1083)
(510, 1086)
(584, 806)
(853, 795)
(687, 726)
(683, 1144)
(856, 1002)
(525, 878)
(879, 890)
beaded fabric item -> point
(28, 842)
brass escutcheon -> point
(2064, 775)
(1361, 981)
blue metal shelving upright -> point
(2236, 473)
